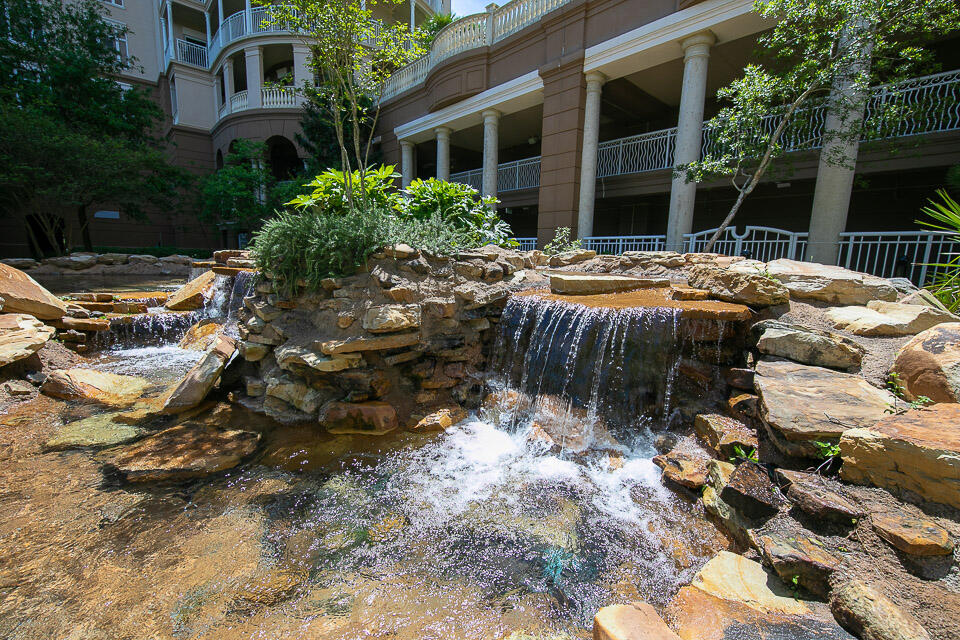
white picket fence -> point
(888, 254)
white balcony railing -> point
(511, 176)
(279, 97)
(887, 254)
(191, 53)
(243, 23)
(238, 101)
(470, 32)
(930, 104)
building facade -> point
(574, 112)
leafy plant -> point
(460, 206)
(945, 281)
(826, 450)
(895, 385)
(739, 454)
(428, 30)
(332, 191)
(561, 242)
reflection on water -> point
(163, 364)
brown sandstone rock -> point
(441, 419)
(193, 294)
(583, 284)
(916, 451)
(800, 404)
(754, 290)
(916, 536)
(73, 262)
(22, 294)
(571, 257)
(814, 281)
(200, 379)
(809, 493)
(750, 491)
(21, 336)
(82, 324)
(744, 407)
(683, 468)
(871, 615)
(635, 621)
(881, 318)
(392, 317)
(94, 386)
(724, 435)
(368, 418)
(182, 452)
(200, 336)
(807, 345)
(368, 343)
(801, 557)
(929, 364)
(718, 474)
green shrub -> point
(459, 205)
(945, 282)
(561, 242)
(329, 194)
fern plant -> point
(945, 281)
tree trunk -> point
(84, 227)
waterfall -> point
(583, 366)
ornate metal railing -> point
(473, 177)
(470, 32)
(636, 154)
(511, 176)
(888, 254)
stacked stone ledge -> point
(401, 342)
(104, 263)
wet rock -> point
(912, 451)
(94, 386)
(193, 294)
(871, 615)
(800, 558)
(95, 432)
(22, 294)
(880, 318)
(809, 493)
(571, 427)
(800, 404)
(828, 283)
(750, 491)
(182, 452)
(21, 336)
(392, 317)
(915, 536)
(635, 621)
(295, 393)
(369, 343)
(683, 468)
(807, 346)
(253, 351)
(198, 382)
(718, 474)
(368, 418)
(929, 364)
(754, 290)
(739, 377)
(200, 336)
(581, 284)
(82, 324)
(733, 597)
(724, 435)
(744, 407)
(441, 419)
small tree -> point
(827, 52)
(319, 137)
(352, 55)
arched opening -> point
(283, 158)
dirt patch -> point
(50, 357)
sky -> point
(467, 7)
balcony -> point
(511, 176)
(271, 98)
(470, 32)
(242, 24)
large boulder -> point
(182, 452)
(751, 289)
(828, 283)
(734, 597)
(917, 451)
(192, 295)
(929, 364)
(22, 294)
(90, 385)
(807, 345)
(21, 336)
(200, 379)
(884, 319)
(800, 404)
(871, 615)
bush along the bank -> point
(327, 235)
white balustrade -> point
(275, 97)
(190, 53)
(238, 101)
(511, 176)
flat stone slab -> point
(807, 345)
(750, 491)
(724, 434)
(182, 452)
(802, 557)
(22, 294)
(94, 432)
(800, 404)
(828, 283)
(94, 386)
(21, 336)
(193, 294)
(916, 536)
(635, 621)
(916, 451)
(683, 468)
(582, 284)
(809, 493)
(751, 289)
(198, 382)
(886, 319)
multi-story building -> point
(573, 113)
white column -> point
(407, 168)
(696, 53)
(173, 54)
(491, 24)
(247, 17)
(838, 157)
(443, 153)
(254, 77)
(227, 82)
(491, 142)
(301, 66)
(219, 14)
(206, 18)
(413, 15)
(588, 159)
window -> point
(120, 42)
(116, 3)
